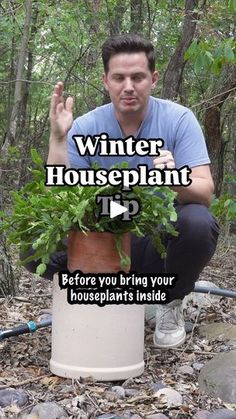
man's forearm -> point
(200, 192)
(58, 153)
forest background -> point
(42, 42)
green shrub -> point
(41, 217)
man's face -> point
(129, 82)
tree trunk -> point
(136, 16)
(115, 17)
(16, 110)
(213, 129)
(7, 280)
(12, 74)
(173, 75)
(7, 285)
(24, 123)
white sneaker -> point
(170, 326)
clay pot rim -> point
(97, 231)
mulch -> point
(25, 359)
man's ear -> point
(155, 78)
(104, 79)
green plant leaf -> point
(228, 52)
(200, 62)
(192, 50)
(232, 5)
(173, 216)
(41, 217)
(41, 269)
(36, 157)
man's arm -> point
(61, 119)
(202, 187)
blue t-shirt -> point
(173, 123)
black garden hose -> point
(32, 326)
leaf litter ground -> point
(24, 360)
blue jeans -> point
(187, 254)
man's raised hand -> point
(61, 117)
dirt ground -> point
(24, 360)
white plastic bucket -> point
(103, 342)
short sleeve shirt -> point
(175, 124)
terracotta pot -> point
(96, 252)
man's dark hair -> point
(127, 43)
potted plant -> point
(103, 342)
(42, 217)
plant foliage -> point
(41, 217)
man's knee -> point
(196, 222)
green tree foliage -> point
(67, 40)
